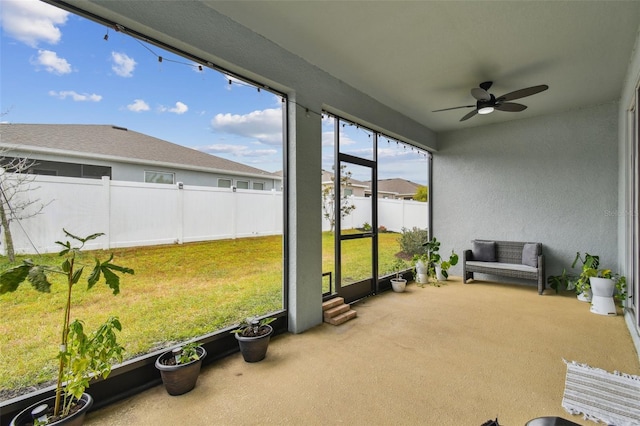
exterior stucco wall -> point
(549, 179)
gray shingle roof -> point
(398, 186)
(117, 143)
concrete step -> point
(342, 318)
(332, 303)
(334, 312)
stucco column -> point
(304, 254)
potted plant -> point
(421, 262)
(81, 356)
(180, 367)
(398, 284)
(253, 337)
(562, 281)
(582, 285)
(436, 268)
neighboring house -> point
(353, 187)
(396, 188)
(93, 151)
(400, 189)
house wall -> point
(549, 179)
(135, 172)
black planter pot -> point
(75, 419)
(181, 378)
(254, 349)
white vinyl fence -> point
(140, 214)
(392, 214)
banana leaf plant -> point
(81, 356)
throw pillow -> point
(484, 251)
(530, 254)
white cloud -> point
(78, 97)
(52, 63)
(138, 105)
(179, 109)
(328, 138)
(237, 150)
(264, 125)
(32, 21)
(123, 65)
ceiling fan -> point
(486, 103)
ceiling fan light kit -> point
(486, 103)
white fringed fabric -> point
(600, 396)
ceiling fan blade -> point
(447, 109)
(510, 107)
(468, 116)
(480, 94)
(523, 93)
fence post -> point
(180, 202)
(106, 216)
(233, 211)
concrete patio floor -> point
(451, 355)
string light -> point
(120, 28)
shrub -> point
(411, 241)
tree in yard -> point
(329, 198)
(15, 203)
(422, 194)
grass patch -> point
(178, 292)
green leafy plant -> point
(590, 265)
(446, 264)
(562, 281)
(621, 289)
(412, 241)
(590, 268)
(431, 258)
(88, 356)
(398, 266)
(81, 356)
(253, 327)
(188, 353)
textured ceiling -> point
(424, 55)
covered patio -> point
(451, 355)
(564, 173)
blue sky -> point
(57, 67)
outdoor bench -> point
(511, 259)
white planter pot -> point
(603, 287)
(398, 284)
(422, 278)
(421, 268)
(602, 302)
(439, 275)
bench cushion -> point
(505, 266)
(530, 254)
(484, 251)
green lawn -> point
(178, 292)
